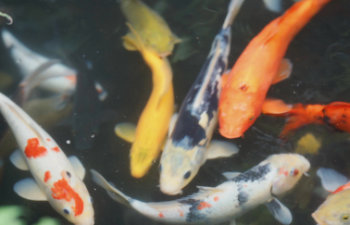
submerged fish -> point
(187, 146)
(211, 205)
(56, 179)
(38, 70)
(152, 127)
(258, 67)
(335, 114)
(153, 31)
(335, 210)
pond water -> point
(81, 33)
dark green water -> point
(92, 30)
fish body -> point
(211, 205)
(185, 149)
(335, 210)
(56, 179)
(153, 124)
(259, 66)
(56, 109)
(151, 27)
(57, 77)
(335, 114)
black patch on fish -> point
(242, 196)
(189, 114)
(194, 215)
(256, 173)
(188, 127)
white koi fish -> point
(57, 77)
(56, 179)
(272, 177)
(188, 145)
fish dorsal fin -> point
(230, 175)
(279, 211)
(126, 131)
(219, 149)
(112, 191)
(284, 71)
(331, 179)
(18, 160)
(78, 166)
(29, 189)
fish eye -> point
(187, 174)
(68, 174)
(66, 211)
(345, 217)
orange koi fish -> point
(335, 114)
(260, 65)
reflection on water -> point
(91, 31)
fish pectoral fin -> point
(275, 107)
(284, 71)
(233, 222)
(208, 189)
(281, 213)
(113, 192)
(230, 175)
(129, 42)
(220, 149)
(126, 131)
(331, 179)
(18, 160)
(78, 166)
(29, 189)
(273, 5)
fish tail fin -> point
(233, 10)
(113, 192)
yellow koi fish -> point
(152, 127)
(151, 27)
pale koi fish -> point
(40, 71)
(272, 177)
(335, 210)
(56, 179)
(188, 146)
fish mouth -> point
(170, 191)
(318, 220)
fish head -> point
(290, 168)
(237, 112)
(335, 210)
(178, 166)
(70, 197)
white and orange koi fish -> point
(56, 179)
(211, 205)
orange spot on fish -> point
(203, 205)
(161, 215)
(33, 149)
(56, 149)
(181, 212)
(63, 191)
(295, 172)
(72, 78)
(283, 171)
(48, 139)
(47, 176)
(216, 198)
